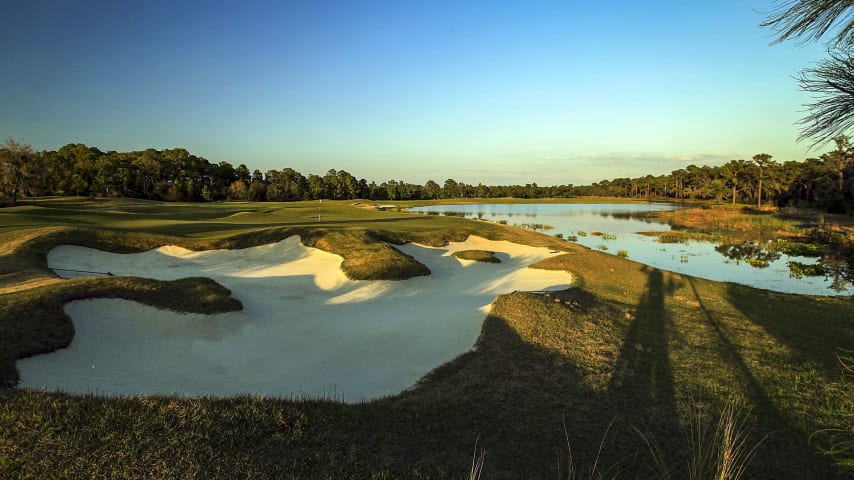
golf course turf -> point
(609, 375)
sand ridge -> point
(306, 329)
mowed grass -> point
(630, 356)
(184, 219)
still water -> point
(617, 229)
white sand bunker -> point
(306, 330)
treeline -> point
(177, 175)
(824, 182)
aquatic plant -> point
(798, 249)
(751, 253)
(537, 226)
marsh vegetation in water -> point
(636, 231)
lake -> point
(617, 228)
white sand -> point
(306, 330)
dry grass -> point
(720, 450)
(750, 224)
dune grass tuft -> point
(720, 450)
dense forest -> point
(175, 174)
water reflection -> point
(749, 252)
(646, 217)
(834, 263)
(635, 231)
(833, 267)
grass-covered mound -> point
(618, 367)
(366, 257)
(477, 256)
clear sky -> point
(484, 91)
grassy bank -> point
(748, 224)
(510, 200)
(630, 355)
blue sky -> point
(494, 92)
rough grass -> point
(694, 342)
(366, 257)
(748, 224)
(629, 349)
(477, 256)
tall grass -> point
(477, 461)
(746, 224)
(720, 451)
(838, 443)
(595, 471)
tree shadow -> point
(642, 385)
(786, 446)
(810, 327)
(528, 404)
(513, 397)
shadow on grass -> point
(518, 390)
(787, 443)
(515, 397)
(541, 363)
(513, 394)
(642, 382)
(830, 322)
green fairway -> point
(608, 376)
(187, 219)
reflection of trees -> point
(830, 267)
(649, 217)
(834, 264)
(751, 253)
